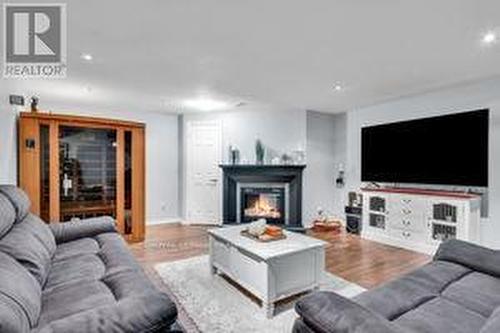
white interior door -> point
(203, 175)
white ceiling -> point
(287, 53)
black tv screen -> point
(444, 150)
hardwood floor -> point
(361, 261)
(365, 262)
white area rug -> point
(217, 306)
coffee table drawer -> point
(249, 271)
(221, 253)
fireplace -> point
(273, 192)
(262, 200)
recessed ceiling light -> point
(87, 56)
(337, 87)
(205, 104)
(489, 38)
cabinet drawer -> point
(408, 235)
(408, 223)
(407, 207)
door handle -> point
(213, 180)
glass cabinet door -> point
(45, 172)
(87, 172)
(128, 183)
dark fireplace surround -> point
(288, 175)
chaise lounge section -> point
(459, 291)
(72, 277)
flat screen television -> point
(444, 150)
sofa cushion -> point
(475, 257)
(7, 215)
(150, 312)
(41, 232)
(329, 312)
(73, 269)
(493, 323)
(114, 253)
(76, 248)
(402, 295)
(92, 273)
(440, 315)
(476, 291)
(70, 298)
(20, 296)
(32, 244)
(74, 230)
(18, 199)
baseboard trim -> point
(164, 221)
(193, 223)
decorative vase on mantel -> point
(259, 152)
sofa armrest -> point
(68, 231)
(470, 255)
(150, 312)
(327, 312)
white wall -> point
(326, 140)
(485, 94)
(281, 131)
(8, 144)
(161, 151)
(339, 159)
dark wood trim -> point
(138, 184)
(29, 157)
(55, 207)
(84, 121)
(120, 180)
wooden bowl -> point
(321, 226)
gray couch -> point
(459, 292)
(72, 277)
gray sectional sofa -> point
(459, 292)
(72, 277)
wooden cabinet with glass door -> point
(79, 167)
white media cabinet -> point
(417, 219)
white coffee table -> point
(271, 271)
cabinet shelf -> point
(451, 224)
(377, 212)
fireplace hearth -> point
(273, 192)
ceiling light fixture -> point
(205, 104)
(489, 38)
(87, 56)
(337, 87)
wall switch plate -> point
(16, 100)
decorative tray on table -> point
(264, 238)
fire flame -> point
(263, 207)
